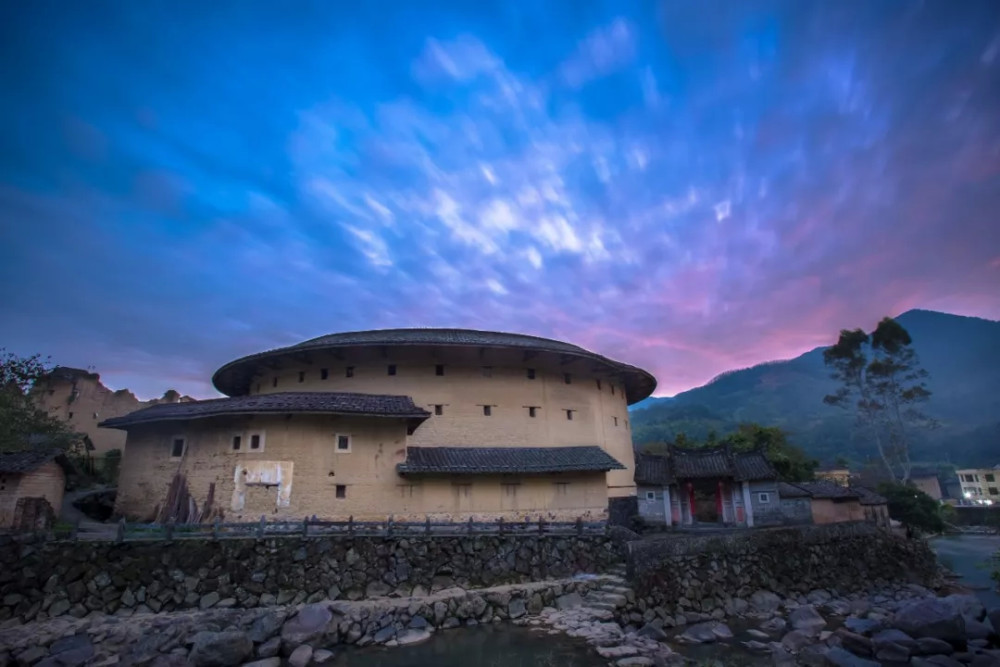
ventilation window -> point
(651, 495)
(349, 372)
(71, 415)
(439, 369)
(510, 490)
(256, 442)
(616, 420)
(258, 387)
(531, 373)
(302, 376)
(562, 488)
(764, 497)
(324, 373)
(532, 411)
(343, 443)
(487, 371)
(237, 442)
(274, 382)
(391, 369)
(612, 390)
(487, 410)
(568, 378)
(598, 385)
(439, 410)
(341, 491)
(177, 448)
(569, 415)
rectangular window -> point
(256, 442)
(258, 387)
(616, 420)
(612, 390)
(343, 443)
(349, 372)
(510, 489)
(487, 371)
(569, 415)
(237, 441)
(532, 411)
(302, 376)
(562, 488)
(598, 385)
(487, 410)
(990, 478)
(177, 448)
(406, 490)
(439, 369)
(651, 495)
(993, 491)
(764, 497)
(341, 491)
(392, 369)
(324, 373)
(531, 373)
(567, 378)
(274, 381)
(71, 415)
(463, 490)
(439, 410)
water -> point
(495, 645)
(968, 556)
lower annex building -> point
(446, 423)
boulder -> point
(265, 626)
(516, 608)
(814, 655)
(776, 624)
(818, 597)
(965, 604)
(653, 631)
(838, 657)
(384, 635)
(208, 600)
(568, 601)
(765, 602)
(709, 631)
(807, 619)
(377, 589)
(301, 656)
(862, 626)
(932, 646)
(994, 616)
(931, 618)
(796, 640)
(939, 661)
(322, 655)
(266, 662)
(270, 648)
(72, 651)
(894, 636)
(855, 643)
(413, 636)
(220, 649)
(892, 652)
(976, 629)
(309, 625)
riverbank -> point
(968, 556)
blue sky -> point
(690, 187)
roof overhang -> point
(506, 461)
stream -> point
(969, 557)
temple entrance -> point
(705, 493)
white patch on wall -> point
(273, 474)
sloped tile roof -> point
(786, 490)
(680, 464)
(499, 460)
(315, 402)
(26, 460)
(827, 490)
(869, 497)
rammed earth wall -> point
(42, 579)
(704, 573)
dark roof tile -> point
(827, 490)
(26, 460)
(499, 460)
(315, 402)
(869, 497)
(680, 464)
(786, 490)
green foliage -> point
(22, 424)
(912, 507)
(112, 465)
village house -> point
(687, 487)
(832, 503)
(446, 423)
(980, 486)
(31, 487)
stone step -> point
(602, 605)
(617, 599)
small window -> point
(274, 382)
(341, 491)
(391, 369)
(510, 489)
(258, 387)
(463, 490)
(95, 417)
(567, 378)
(990, 478)
(532, 411)
(177, 448)
(349, 372)
(598, 385)
(569, 415)
(302, 376)
(764, 497)
(71, 415)
(651, 495)
(612, 390)
(256, 442)
(616, 420)
(487, 410)
(993, 491)
(531, 373)
(439, 410)
(562, 488)
(487, 371)
(324, 373)
(237, 442)
(343, 443)
(439, 369)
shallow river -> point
(969, 556)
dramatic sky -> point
(686, 186)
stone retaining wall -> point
(45, 579)
(701, 576)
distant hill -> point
(962, 355)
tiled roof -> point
(869, 497)
(786, 490)
(681, 464)
(826, 490)
(315, 402)
(234, 377)
(496, 460)
(26, 460)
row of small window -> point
(391, 369)
(462, 490)
(976, 491)
(990, 477)
(254, 442)
(761, 497)
(532, 412)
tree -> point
(791, 462)
(912, 507)
(22, 424)
(882, 382)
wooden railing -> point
(312, 527)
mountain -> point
(962, 355)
